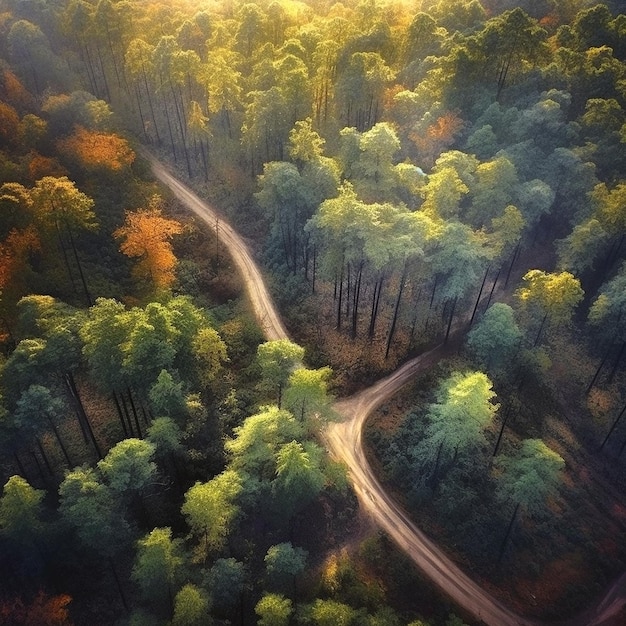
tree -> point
(307, 392)
(158, 567)
(95, 150)
(59, 206)
(167, 397)
(528, 479)
(550, 295)
(210, 353)
(210, 508)
(146, 234)
(299, 478)
(332, 613)
(227, 582)
(191, 607)
(274, 610)
(128, 466)
(283, 563)
(259, 438)
(35, 404)
(457, 421)
(21, 512)
(496, 338)
(277, 360)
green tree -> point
(496, 338)
(307, 392)
(210, 509)
(259, 438)
(457, 421)
(274, 610)
(191, 607)
(332, 613)
(158, 567)
(21, 512)
(227, 581)
(128, 466)
(299, 478)
(284, 562)
(528, 479)
(277, 360)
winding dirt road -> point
(344, 440)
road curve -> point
(344, 440)
(260, 298)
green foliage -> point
(274, 610)
(283, 563)
(128, 467)
(158, 565)
(210, 509)
(191, 607)
(277, 360)
(495, 338)
(21, 511)
(457, 421)
(530, 476)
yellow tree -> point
(97, 150)
(146, 235)
(551, 294)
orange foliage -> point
(146, 234)
(44, 610)
(9, 124)
(14, 253)
(13, 92)
(95, 149)
(438, 136)
(40, 166)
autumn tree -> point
(95, 150)
(146, 235)
(550, 297)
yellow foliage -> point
(146, 235)
(96, 149)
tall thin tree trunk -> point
(508, 533)
(44, 456)
(396, 310)
(79, 265)
(515, 253)
(480, 293)
(616, 363)
(598, 370)
(355, 304)
(454, 301)
(505, 419)
(613, 426)
(134, 410)
(339, 298)
(55, 430)
(118, 584)
(493, 287)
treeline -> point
(469, 132)
(155, 468)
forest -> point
(410, 176)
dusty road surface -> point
(260, 298)
(345, 443)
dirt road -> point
(260, 299)
(344, 440)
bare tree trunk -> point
(508, 533)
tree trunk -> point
(493, 287)
(614, 425)
(508, 533)
(480, 293)
(120, 414)
(127, 414)
(450, 320)
(339, 298)
(616, 363)
(82, 414)
(355, 304)
(396, 310)
(44, 456)
(58, 438)
(378, 287)
(598, 370)
(134, 410)
(79, 265)
(515, 253)
(118, 584)
(543, 322)
(505, 419)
